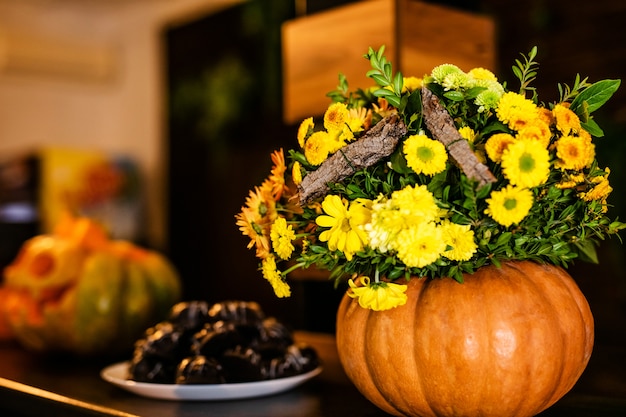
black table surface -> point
(36, 385)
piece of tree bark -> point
(377, 143)
(442, 127)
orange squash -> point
(509, 341)
(78, 291)
(8, 299)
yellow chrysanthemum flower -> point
(345, 233)
(272, 275)
(359, 118)
(526, 163)
(304, 130)
(406, 207)
(346, 136)
(516, 111)
(412, 83)
(282, 236)
(416, 204)
(496, 145)
(571, 181)
(509, 205)
(467, 133)
(460, 238)
(424, 155)
(420, 244)
(386, 222)
(296, 173)
(600, 191)
(316, 148)
(482, 74)
(378, 296)
(566, 120)
(337, 138)
(335, 116)
(574, 152)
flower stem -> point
(293, 268)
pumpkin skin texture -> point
(508, 342)
(81, 293)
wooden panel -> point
(317, 48)
(417, 37)
(430, 35)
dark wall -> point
(225, 118)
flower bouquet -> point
(434, 177)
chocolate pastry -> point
(161, 341)
(241, 365)
(239, 312)
(199, 370)
(298, 359)
(189, 315)
(274, 338)
(152, 369)
(214, 339)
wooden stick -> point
(377, 143)
(442, 127)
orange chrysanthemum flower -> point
(497, 144)
(566, 120)
(574, 152)
(277, 174)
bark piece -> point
(442, 127)
(377, 143)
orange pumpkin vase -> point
(508, 342)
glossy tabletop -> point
(35, 385)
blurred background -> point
(182, 101)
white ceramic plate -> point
(117, 374)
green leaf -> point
(483, 192)
(472, 93)
(504, 239)
(318, 249)
(382, 92)
(387, 70)
(398, 82)
(381, 52)
(394, 101)
(398, 162)
(380, 80)
(414, 103)
(454, 95)
(496, 126)
(595, 95)
(587, 251)
(592, 127)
